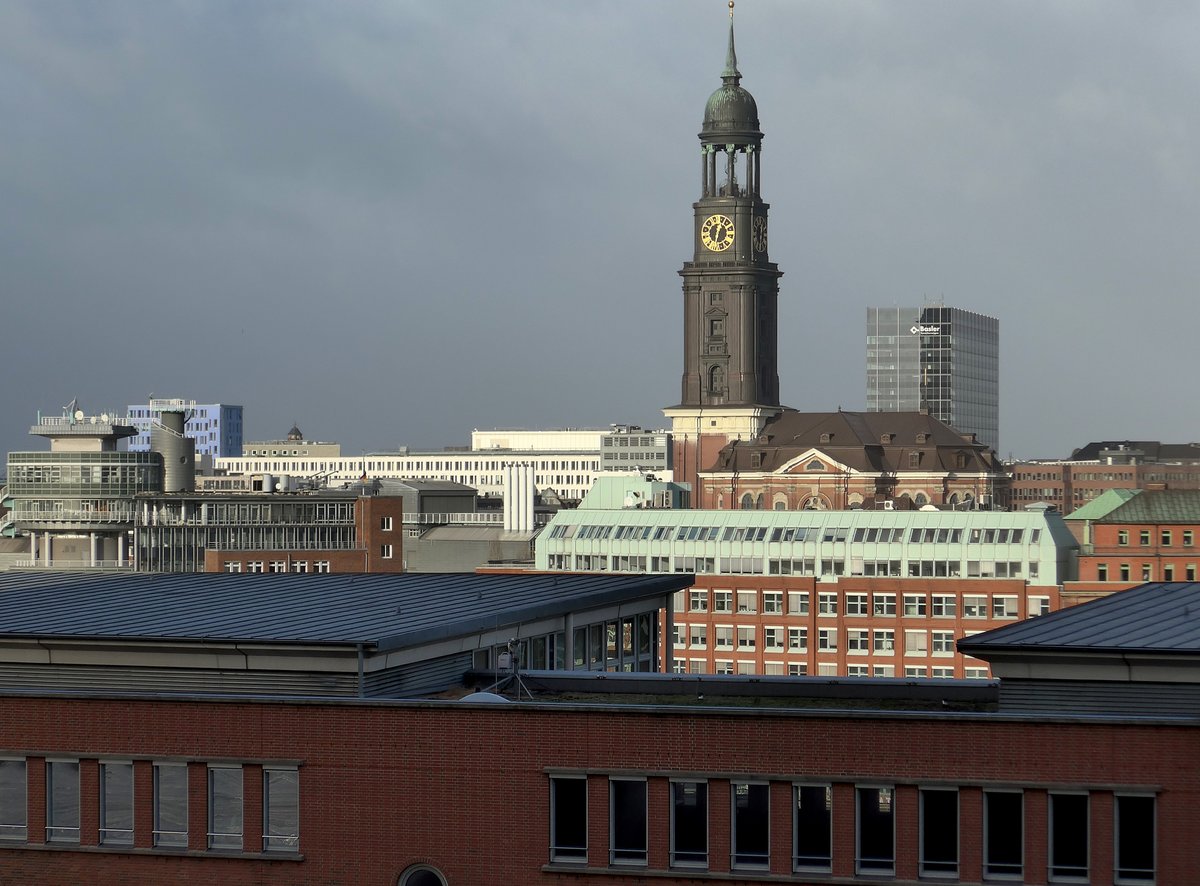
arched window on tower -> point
(716, 380)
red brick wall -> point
(384, 785)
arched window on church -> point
(747, 502)
(920, 500)
(759, 503)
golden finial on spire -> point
(731, 8)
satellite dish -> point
(78, 415)
(104, 417)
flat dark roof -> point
(380, 611)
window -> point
(773, 602)
(1004, 607)
(939, 832)
(751, 825)
(224, 807)
(876, 831)
(1123, 537)
(885, 604)
(1168, 572)
(385, 524)
(698, 636)
(798, 639)
(170, 804)
(975, 673)
(916, 643)
(689, 823)
(856, 671)
(627, 824)
(300, 566)
(233, 566)
(256, 566)
(1068, 836)
(1102, 572)
(698, 601)
(827, 639)
(1124, 572)
(914, 604)
(281, 566)
(812, 828)
(798, 602)
(1037, 606)
(1187, 538)
(1134, 839)
(797, 669)
(974, 607)
(943, 642)
(944, 606)
(722, 601)
(568, 820)
(857, 641)
(116, 804)
(856, 604)
(747, 601)
(62, 801)
(885, 641)
(722, 666)
(281, 809)
(773, 639)
(1144, 537)
(827, 604)
(1003, 833)
(14, 809)
(1165, 537)
(915, 671)
(745, 637)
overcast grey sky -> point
(394, 221)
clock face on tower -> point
(759, 232)
(717, 233)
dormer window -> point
(914, 459)
(756, 459)
(886, 439)
(825, 438)
(922, 438)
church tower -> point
(730, 384)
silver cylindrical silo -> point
(177, 449)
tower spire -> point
(731, 72)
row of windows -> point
(115, 800)
(300, 566)
(1124, 573)
(939, 829)
(795, 639)
(823, 669)
(858, 566)
(1166, 537)
(793, 534)
(1003, 606)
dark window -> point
(939, 832)
(1003, 833)
(281, 809)
(1069, 836)
(689, 823)
(751, 825)
(13, 800)
(811, 841)
(1135, 838)
(876, 830)
(224, 807)
(568, 819)
(170, 804)
(62, 801)
(116, 803)
(628, 824)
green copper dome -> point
(731, 114)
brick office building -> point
(819, 592)
(1098, 467)
(1084, 773)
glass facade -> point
(942, 359)
(60, 490)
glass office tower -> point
(939, 358)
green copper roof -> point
(731, 70)
(1152, 506)
(1103, 505)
